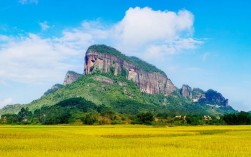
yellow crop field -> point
(124, 141)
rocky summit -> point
(148, 78)
(128, 85)
(108, 60)
(71, 77)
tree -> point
(9, 119)
(89, 119)
(24, 115)
(145, 118)
(241, 118)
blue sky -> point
(203, 44)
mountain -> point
(71, 77)
(209, 97)
(128, 85)
(148, 78)
(53, 89)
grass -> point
(125, 140)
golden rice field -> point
(124, 141)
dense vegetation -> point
(54, 89)
(74, 110)
(241, 118)
(81, 111)
(120, 94)
(134, 60)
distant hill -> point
(128, 85)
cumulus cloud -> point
(6, 101)
(28, 1)
(142, 32)
(32, 59)
(144, 26)
(44, 25)
(155, 32)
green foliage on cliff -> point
(119, 94)
(134, 60)
(82, 111)
(53, 89)
(145, 66)
(10, 109)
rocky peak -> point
(215, 98)
(186, 91)
(149, 79)
(198, 94)
(53, 89)
(71, 77)
(209, 97)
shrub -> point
(145, 118)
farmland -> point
(124, 140)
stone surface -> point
(215, 98)
(210, 97)
(104, 80)
(71, 77)
(198, 94)
(150, 82)
(186, 91)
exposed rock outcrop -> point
(198, 94)
(215, 98)
(108, 60)
(210, 97)
(71, 77)
(186, 91)
(104, 80)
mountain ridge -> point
(149, 79)
(111, 78)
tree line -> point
(81, 111)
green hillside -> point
(121, 95)
(124, 96)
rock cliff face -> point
(215, 98)
(210, 97)
(151, 80)
(71, 77)
(186, 91)
(198, 94)
(108, 60)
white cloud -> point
(4, 38)
(143, 26)
(32, 59)
(155, 32)
(44, 25)
(28, 1)
(6, 101)
(169, 47)
(142, 32)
